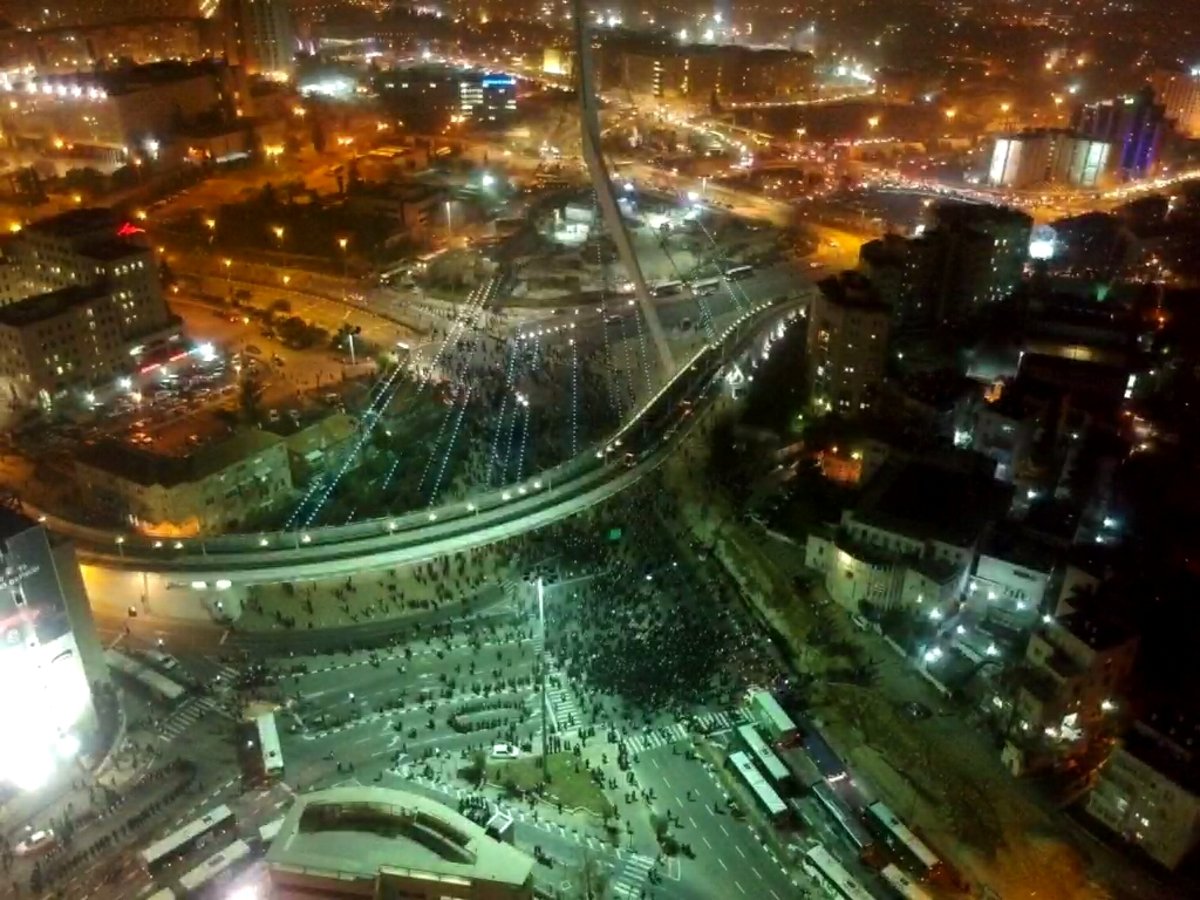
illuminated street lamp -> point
(211, 225)
(951, 113)
(343, 243)
(277, 230)
(873, 122)
(228, 264)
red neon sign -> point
(128, 229)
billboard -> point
(46, 691)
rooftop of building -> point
(113, 250)
(76, 222)
(13, 523)
(147, 467)
(1098, 632)
(42, 307)
(931, 501)
(1013, 545)
(1169, 745)
(953, 213)
(853, 289)
(1044, 132)
(320, 436)
(362, 832)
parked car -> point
(505, 751)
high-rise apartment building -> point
(970, 256)
(1135, 125)
(264, 37)
(1179, 91)
(848, 327)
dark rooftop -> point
(931, 501)
(76, 222)
(149, 468)
(1011, 544)
(108, 251)
(1170, 752)
(13, 523)
(1099, 633)
(41, 307)
(852, 288)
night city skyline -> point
(598, 451)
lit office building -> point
(1047, 157)
(488, 100)
(50, 656)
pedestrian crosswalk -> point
(670, 734)
(630, 876)
(192, 710)
(564, 708)
(659, 737)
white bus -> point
(911, 849)
(268, 746)
(838, 883)
(763, 755)
(902, 886)
(215, 867)
(162, 852)
(767, 798)
(157, 683)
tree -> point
(478, 768)
(249, 395)
(590, 880)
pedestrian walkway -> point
(192, 710)
(630, 877)
(660, 737)
(708, 723)
(564, 708)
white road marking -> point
(723, 831)
(703, 838)
(739, 850)
(739, 887)
(722, 862)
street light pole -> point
(449, 223)
(541, 596)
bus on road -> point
(910, 849)
(268, 746)
(217, 867)
(161, 853)
(902, 886)
(838, 883)
(737, 273)
(763, 755)
(767, 798)
(158, 684)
